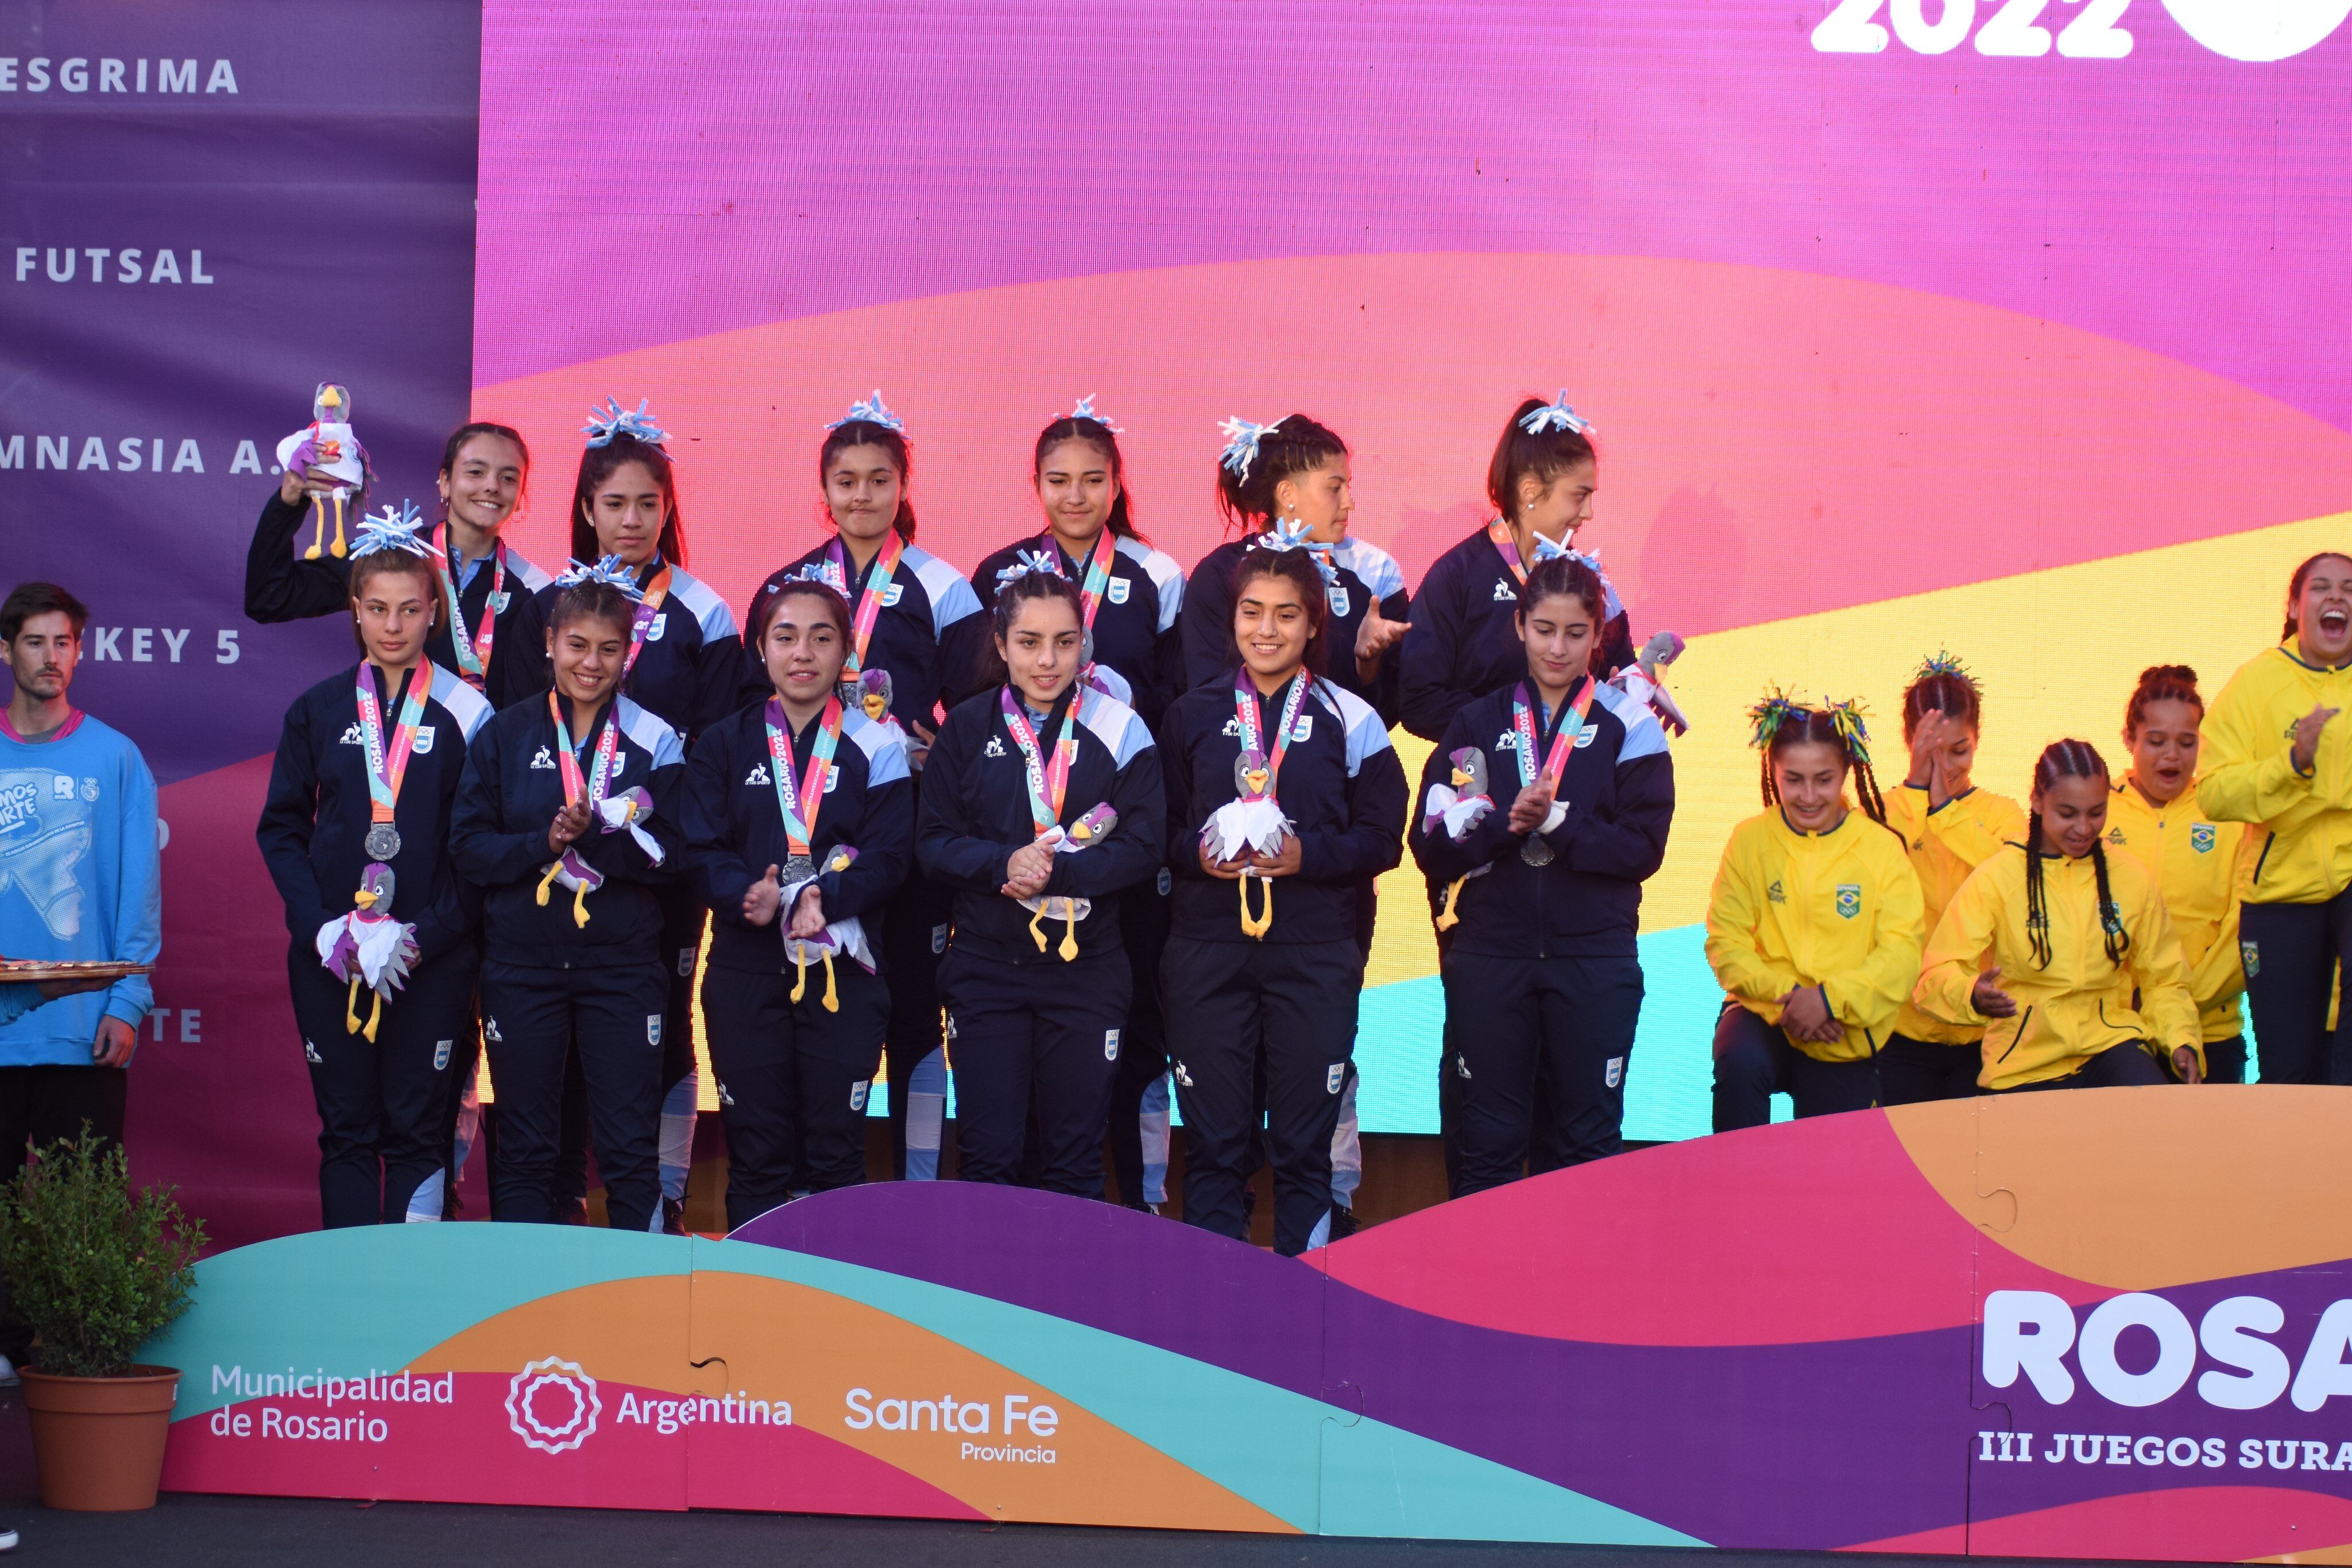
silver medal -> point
(797, 870)
(1537, 852)
(383, 841)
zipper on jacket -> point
(2261, 859)
(2019, 1038)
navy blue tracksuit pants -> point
(1568, 1022)
(614, 1015)
(793, 1079)
(1040, 1036)
(1226, 1005)
(383, 1104)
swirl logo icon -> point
(553, 1404)
(2259, 29)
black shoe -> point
(1343, 1221)
(673, 1217)
(572, 1213)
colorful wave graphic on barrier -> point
(1773, 1339)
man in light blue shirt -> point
(81, 880)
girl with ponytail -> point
(2198, 864)
(1288, 486)
(1950, 827)
(2273, 757)
(1815, 929)
(2063, 953)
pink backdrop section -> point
(1765, 434)
(653, 174)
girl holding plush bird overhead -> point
(1949, 826)
(1284, 796)
(2276, 756)
(1544, 809)
(684, 664)
(2063, 953)
(356, 833)
(1814, 928)
(799, 825)
(1041, 803)
(567, 819)
(916, 629)
(2199, 866)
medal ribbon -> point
(1047, 783)
(1567, 725)
(1500, 532)
(655, 592)
(473, 653)
(1245, 710)
(567, 760)
(1099, 564)
(868, 608)
(386, 768)
(800, 826)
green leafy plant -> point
(96, 1269)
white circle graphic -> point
(2259, 29)
(554, 1389)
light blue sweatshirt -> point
(80, 878)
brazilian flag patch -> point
(2201, 837)
(1849, 900)
(2251, 957)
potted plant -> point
(97, 1270)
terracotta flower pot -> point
(100, 1441)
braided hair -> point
(2068, 759)
(1782, 722)
(1942, 684)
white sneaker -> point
(8, 1379)
(7, 1540)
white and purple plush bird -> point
(622, 812)
(327, 446)
(369, 948)
(1251, 823)
(845, 939)
(1090, 831)
(1462, 802)
(1641, 680)
(568, 870)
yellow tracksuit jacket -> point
(2198, 867)
(2302, 822)
(2081, 1004)
(1840, 910)
(1947, 846)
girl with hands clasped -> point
(1283, 798)
(1815, 929)
(1542, 895)
(2198, 864)
(1040, 803)
(1949, 826)
(567, 819)
(799, 827)
(356, 835)
(2274, 755)
(2063, 953)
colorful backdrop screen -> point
(2011, 327)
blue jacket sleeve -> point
(1630, 840)
(619, 856)
(1373, 841)
(1176, 797)
(288, 816)
(278, 585)
(1133, 853)
(139, 902)
(948, 838)
(1427, 656)
(886, 849)
(724, 683)
(481, 846)
(713, 868)
(1205, 625)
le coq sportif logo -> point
(553, 1404)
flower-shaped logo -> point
(553, 1404)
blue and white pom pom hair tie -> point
(1291, 536)
(388, 529)
(1026, 561)
(1555, 416)
(1085, 409)
(612, 571)
(873, 411)
(1241, 445)
(611, 420)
